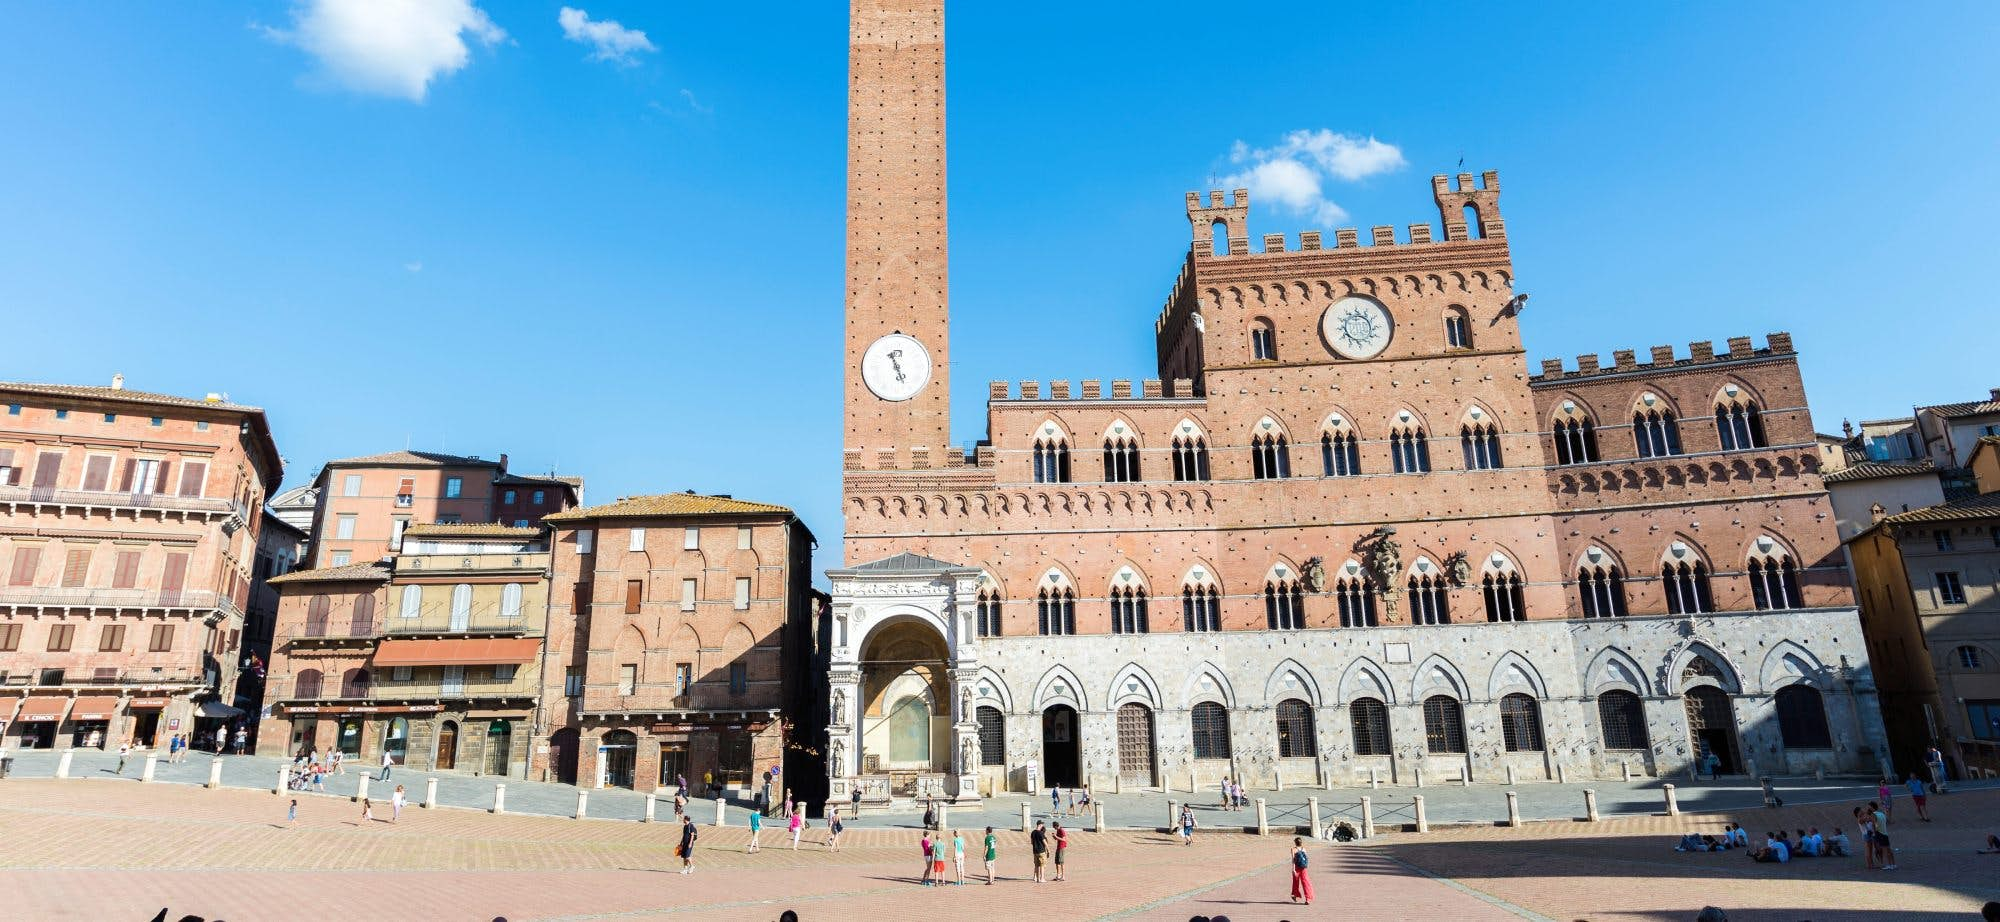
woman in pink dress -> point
(1302, 885)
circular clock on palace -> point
(1357, 327)
(896, 367)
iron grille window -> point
(1576, 442)
(1128, 611)
(1051, 461)
(1739, 426)
(1357, 602)
(1270, 457)
(1657, 433)
(1055, 611)
(1481, 445)
(1200, 609)
(1190, 458)
(1121, 461)
(1802, 718)
(1430, 602)
(1774, 583)
(1687, 588)
(992, 736)
(1504, 599)
(1520, 723)
(1410, 450)
(1603, 592)
(1295, 730)
(1371, 727)
(1622, 719)
(1444, 725)
(1340, 454)
(1211, 731)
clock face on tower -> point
(896, 367)
(1357, 327)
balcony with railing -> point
(515, 623)
(104, 677)
(425, 685)
(117, 500)
(52, 597)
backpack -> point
(1299, 860)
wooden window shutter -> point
(175, 575)
(193, 474)
(635, 590)
(76, 568)
(48, 466)
(126, 574)
(160, 475)
(408, 487)
(13, 474)
(125, 477)
(26, 560)
(96, 473)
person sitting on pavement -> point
(1838, 845)
(1992, 846)
(1774, 850)
(1802, 846)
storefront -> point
(147, 728)
(37, 722)
(89, 723)
(712, 751)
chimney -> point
(1994, 393)
(503, 462)
(118, 382)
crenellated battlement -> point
(1468, 209)
(1662, 358)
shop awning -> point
(43, 709)
(94, 707)
(218, 710)
(471, 651)
(7, 708)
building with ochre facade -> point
(1349, 530)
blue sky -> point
(463, 229)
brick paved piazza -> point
(112, 850)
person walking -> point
(798, 825)
(1934, 760)
(756, 828)
(1302, 886)
(1918, 798)
(1882, 797)
(680, 803)
(833, 829)
(1882, 837)
(124, 752)
(855, 799)
(388, 762)
(1055, 798)
(1187, 825)
(367, 810)
(292, 814)
(1069, 808)
(173, 748)
(396, 801)
(1062, 851)
(686, 849)
(958, 855)
(927, 858)
(1038, 844)
(1227, 802)
(992, 854)
(681, 783)
(242, 739)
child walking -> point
(798, 825)
(756, 828)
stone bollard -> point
(1278, 781)
(721, 817)
(1420, 777)
(652, 804)
(1625, 767)
(1097, 816)
(430, 793)
(499, 798)
(1511, 780)
(1027, 820)
(1750, 768)
(1465, 777)
(62, 764)
(1673, 805)
(146, 773)
(944, 817)
(1819, 774)
(1562, 772)
(1118, 783)
(1513, 809)
(1263, 819)
(1194, 783)
(1173, 815)
(1312, 816)
(215, 773)
(1423, 822)
(1368, 817)
(1691, 773)
(1374, 781)
(582, 804)
(284, 779)
(361, 789)
(1590, 806)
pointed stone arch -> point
(1604, 556)
(990, 688)
(1437, 675)
(1291, 679)
(1613, 668)
(1200, 573)
(1060, 686)
(1365, 679)
(1270, 424)
(1681, 548)
(1133, 683)
(1513, 672)
(1659, 402)
(1127, 574)
(1572, 407)
(1736, 390)
(1476, 414)
(1729, 678)
(1789, 663)
(1121, 428)
(1208, 683)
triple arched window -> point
(1481, 444)
(1409, 449)
(1602, 590)
(1055, 610)
(1505, 600)
(1576, 441)
(1128, 610)
(1738, 424)
(1284, 605)
(1052, 460)
(1356, 598)
(1270, 456)
(1121, 459)
(1201, 608)
(1430, 599)
(1657, 432)
(1340, 452)
(1774, 580)
(1686, 585)
(1190, 457)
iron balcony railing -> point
(55, 597)
(207, 505)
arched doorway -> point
(562, 755)
(1061, 762)
(1135, 745)
(499, 747)
(447, 754)
(618, 753)
(1712, 726)
(905, 700)
(396, 739)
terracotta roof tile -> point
(511, 479)
(1969, 408)
(417, 458)
(1983, 506)
(351, 573)
(470, 530)
(667, 504)
(125, 395)
(1870, 470)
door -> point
(1135, 745)
(1712, 725)
(620, 754)
(350, 736)
(1060, 753)
(499, 747)
(447, 755)
(673, 763)
(145, 728)
(396, 739)
(562, 755)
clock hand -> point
(894, 356)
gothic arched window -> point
(1128, 610)
(1052, 459)
(1284, 605)
(1055, 610)
(1686, 586)
(1480, 443)
(1270, 457)
(1356, 597)
(1410, 449)
(1201, 610)
(1602, 590)
(1121, 459)
(1430, 599)
(1576, 441)
(1190, 457)
(1738, 423)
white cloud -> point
(609, 40)
(1294, 173)
(390, 47)
(413, 266)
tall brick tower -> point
(897, 358)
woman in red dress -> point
(1302, 886)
